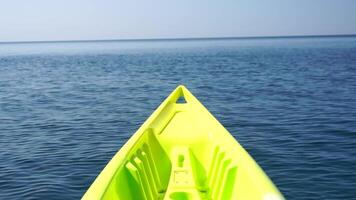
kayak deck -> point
(182, 153)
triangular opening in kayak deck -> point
(181, 98)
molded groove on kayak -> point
(182, 153)
(221, 169)
(144, 172)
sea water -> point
(67, 107)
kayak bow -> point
(182, 152)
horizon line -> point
(182, 38)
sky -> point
(49, 20)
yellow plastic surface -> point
(182, 152)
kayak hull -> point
(182, 152)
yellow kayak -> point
(182, 152)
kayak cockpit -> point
(150, 173)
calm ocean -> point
(67, 107)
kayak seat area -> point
(189, 181)
(151, 174)
(183, 184)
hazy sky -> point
(28, 20)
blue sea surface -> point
(67, 107)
